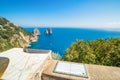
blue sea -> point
(62, 38)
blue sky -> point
(64, 13)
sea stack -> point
(48, 31)
(36, 32)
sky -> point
(62, 13)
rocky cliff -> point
(12, 35)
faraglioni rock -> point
(36, 32)
(48, 31)
(35, 35)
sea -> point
(62, 38)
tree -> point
(80, 52)
(100, 51)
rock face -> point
(12, 35)
(1, 28)
(48, 31)
(35, 35)
(34, 38)
(36, 32)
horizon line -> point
(106, 29)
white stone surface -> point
(22, 64)
(71, 68)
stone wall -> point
(48, 77)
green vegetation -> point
(10, 35)
(56, 56)
(100, 51)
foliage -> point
(100, 51)
(3, 21)
(7, 34)
(56, 56)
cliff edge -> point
(12, 35)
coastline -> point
(61, 38)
